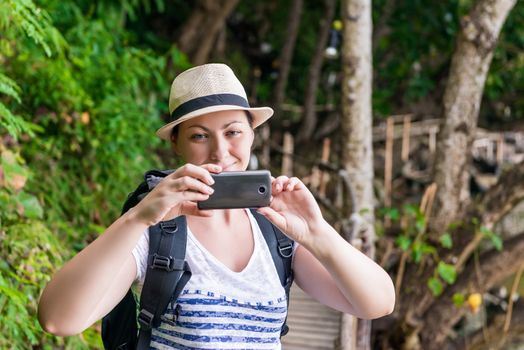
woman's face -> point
(222, 138)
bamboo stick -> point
(388, 162)
(287, 159)
(405, 137)
(326, 150)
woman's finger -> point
(188, 183)
(277, 219)
(292, 184)
(201, 173)
(278, 183)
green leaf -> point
(411, 210)
(447, 272)
(446, 241)
(32, 208)
(403, 242)
(494, 238)
(420, 223)
(458, 299)
(391, 213)
(417, 252)
(486, 231)
(497, 242)
(435, 286)
(9, 87)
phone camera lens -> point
(262, 189)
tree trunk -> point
(309, 119)
(357, 148)
(286, 55)
(200, 31)
(469, 67)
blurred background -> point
(404, 118)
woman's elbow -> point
(384, 307)
(57, 325)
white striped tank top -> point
(220, 308)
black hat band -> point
(208, 101)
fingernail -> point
(209, 190)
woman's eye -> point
(233, 132)
(198, 137)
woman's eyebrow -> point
(225, 126)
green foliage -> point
(458, 299)
(24, 15)
(447, 272)
(403, 242)
(30, 253)
(446, 241)
(414, 241)
(435, 285)
(493, 237)
(81, 106)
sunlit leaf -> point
(447, 272)
(435, 286)
(446, 241)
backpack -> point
(168, 272)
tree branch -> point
(495, 267)
(309, 119)
(286, 55)
(500, 199)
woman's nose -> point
(220, 148)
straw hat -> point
(204, 89)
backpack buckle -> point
(286, 251)
(169, 226)
(145, 318)
(161, 262)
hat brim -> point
(260, 115)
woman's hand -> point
(294, 210)
(177, 194)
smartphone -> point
(239, 189)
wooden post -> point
(266, 148)
(500, 149)
(388, 162)
(406, 128)
(287, 158)
(433, 140)
(326, 150)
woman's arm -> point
(326, 266)
(93, 282)
(340, 276)
(97, 278)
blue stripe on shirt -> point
(228, 326)
(222, 302)
(228, 314)
(230, 339)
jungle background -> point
(84, 85)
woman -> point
(212, 130)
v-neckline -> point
(217, 261)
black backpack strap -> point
(166, 275)
(281, 248)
